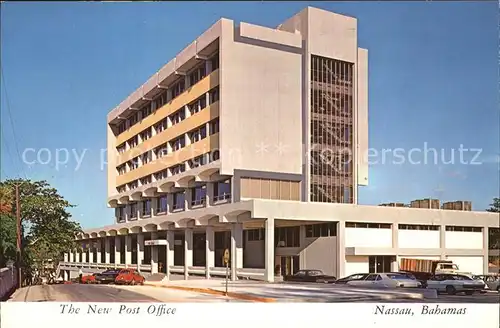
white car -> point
(455, 283)
(387, 280)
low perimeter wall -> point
(8, 281)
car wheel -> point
(450, 290)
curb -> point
(216, 292)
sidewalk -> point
(281, 292)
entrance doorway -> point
(289, 265)
(380, 264)
(162, 255)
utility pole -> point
(18, 217)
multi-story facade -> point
(252, 139)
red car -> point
(129, 277)
(88, 279)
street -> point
(109, 293)
(114, 293)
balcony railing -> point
(178, 207)
(146, 212)
(198, 202)
(120, 219)
(161, 210)
(222, 197)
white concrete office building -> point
(252, 139)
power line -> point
(7, 102)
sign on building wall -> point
(158, 242)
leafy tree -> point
(495, 206)
(47, 231)
(8, 239)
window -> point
(256, 234)
(146, 207)
(161, 175)
(120, 214)
(199, 194)
(159, 101)
(198, 134)
(146, 134)
(368, 225)
(133, 210)
(179, 198)
(214, 156)
(287, 236)
(380, 263)
(133, 185)
(162, 204)
(177, 169)
(214, 126)
(179, 143)
(146, 111)
(197, 105)
(121, 148)
(197, 161)
(321, 230)
(197, 74)
(222, 190)
(121, 127)
(161, 151)
(146, 180)
(134, 118)
(122, 169)
(134, 163)
(178, 88)
(418, 227)
(146, 157)
(178, 116)
(463, 229)
(214, 95)
(161, 126)
(132, 142)
(121, 189)
(214, 61)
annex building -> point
(252, 139)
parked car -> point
(480, 279)
(310, 276)
(89, 279)
(129, 277)
(388, 280)
(421, 277)
(493, 282)
(352, 277)
(107, 277)
(454, 283)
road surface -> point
(109, 293)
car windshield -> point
(449, 266)
(315, 273)
(399, 276)
(461, 277)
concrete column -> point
(91, 255)
(341, 249)
(107, 249)
(303, 254)
(71, 256)
(208, 67)
(65, 257)
(188, 251)
(84, 256)
(154, 204)
(442, 241)
(236, 249)
(209, 250)
(99, 249)
(395, 246)
(209, 198)
(154, 254)
(170, 202)
(117, 249)
(128, 250)
(269, 250)
(140, 250)
(486, 257)
(170, 251)
(65, 275)
(188, 197)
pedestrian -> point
(80, 275)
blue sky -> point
(433, 79)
